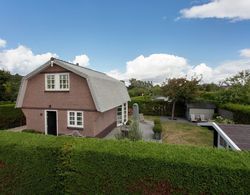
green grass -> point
(175, 132)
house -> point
(199, 111)
(231, 136)
(64, 98)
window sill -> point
(56, 90)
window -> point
(50, 81)
(122, 114)
(222, 142)
(119, 115)
(75, 119)
(64, 81)
(57, 82)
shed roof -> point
(239, 134)
(202, 105)
(106, 91)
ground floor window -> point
(122, 114)
(75, 119)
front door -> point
(51, 123)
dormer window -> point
(57, 82)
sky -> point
(143, 39)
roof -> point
(106, 91)
(202, 105)
(239, 134)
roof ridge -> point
(79, 66)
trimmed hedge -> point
(31, 163)
(10, 116)
(241, 113)
(158, 108)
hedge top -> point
(202, 157)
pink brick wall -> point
(37, 100)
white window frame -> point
(75, 119)
(57, 82)
(124, 114)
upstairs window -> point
(57, 82)
(64, 81)
(50, 81)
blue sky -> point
(113, 32)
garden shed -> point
(200, 111)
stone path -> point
(17, 129)
(147, 131)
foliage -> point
(10, 116)
(241, 113)
(157, 128)
(220, 119)
(180, 89)
(241, 78)
(67, 165)
(143, 88)
(128, 122)
(134, 133)
(157, 121)
(160, 108)
(9, 86)
(141, 98)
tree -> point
(9, 86)
(241, 78)
(180, 89)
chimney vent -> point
(77, 64)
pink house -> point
(64, 98)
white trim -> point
(123, 121)
(57, 82)
(75, 115)
(45, 120)
(222, 134)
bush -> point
(241, 113)
(157, 121)
(10, 116)
(68, 165)
(158, 108)
(220, 119)
(128, 122)
(157, 128)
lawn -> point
(184, 133)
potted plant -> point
(157, 131)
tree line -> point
(9, 86)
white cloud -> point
(2, 43)
(222, 9)
(158, 67)
(155, 67)
(83, 60)
(22, 60)
(245, 53)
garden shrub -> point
(32, 163)
(241, 113)
(10, 116)
(157, 121)
(157, 128)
